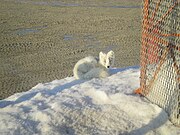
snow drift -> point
(98, 106)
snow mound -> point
(72, 107)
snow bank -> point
(99, 106)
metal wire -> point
(160, 55)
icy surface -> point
(98, 106)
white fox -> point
(91, 67)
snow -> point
(98, 106)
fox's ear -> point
(110, 53)
(101, 54)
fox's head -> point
(107, 60)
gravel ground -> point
(41, 41)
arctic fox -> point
(91, 67)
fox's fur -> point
(91, 67)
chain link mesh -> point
(160, 55)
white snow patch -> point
(98, 106)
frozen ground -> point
(99, 106)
